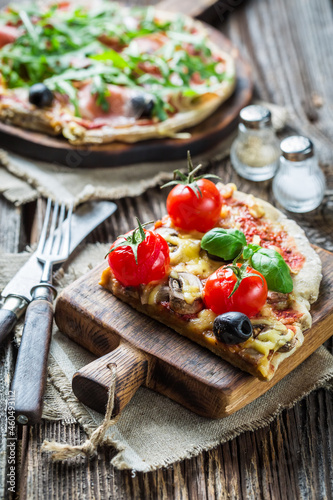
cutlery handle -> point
(31, 365)
(10, 312)
(7, 323)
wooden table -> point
(290, 46)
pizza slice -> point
(186, 278)
(102, 72)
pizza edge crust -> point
(46, 122)
(307, 281)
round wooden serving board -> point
(204, 135)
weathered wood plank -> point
(10, 224)
(289, 45)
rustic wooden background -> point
(289, 43)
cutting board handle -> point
(92, 382)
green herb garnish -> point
(224, 243)
(230, 244)
(52, 39)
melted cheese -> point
(186, 255)
(203, 322)
(270, 340)
(191, 293)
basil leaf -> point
(249, 251)
(274, 268)
(224, 243)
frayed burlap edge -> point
(21, 186)
(81, 415)
(78, 410)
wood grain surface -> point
(204, 136)
(289, 44)
(157, 357)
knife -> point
(17, 293)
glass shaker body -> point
(299, 186)
(255, 153)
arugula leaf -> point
(67, 89)
(159, 109)
(111, 56)
(31, 30)
(99, 87)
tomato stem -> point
(133, 240)
(189, 180)
(241, 273)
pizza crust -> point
(307, 281)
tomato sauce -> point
(184, 317)
(252, 226)
(288, 316)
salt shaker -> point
(299, 184)
(255, 152)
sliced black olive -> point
(232, 328)
(40, 95)
(143, 105)
(214, 257)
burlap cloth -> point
(23, 180)
(153, 431)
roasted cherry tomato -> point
(195, 202)
(139, 257)
(192, 209)
(249, 297)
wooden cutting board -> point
(151, 354)
(204, 136)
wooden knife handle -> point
(31, 365)
(92, 382)
(7, 322)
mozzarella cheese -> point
(186, 255)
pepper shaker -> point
(255, 152)
(299, 184)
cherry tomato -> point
(248, 299)
(152, 264)
(190, 210)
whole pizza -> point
(97, 72)
(223, 268)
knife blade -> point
(17, 294)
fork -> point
(31, 366)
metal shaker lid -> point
(255, 116)
(297, 148)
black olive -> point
(143, 105)
(232, 328)
(40, 95)
(215, 257)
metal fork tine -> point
(67, 236)
(42, 238)
(50, 242)
(58, 239)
